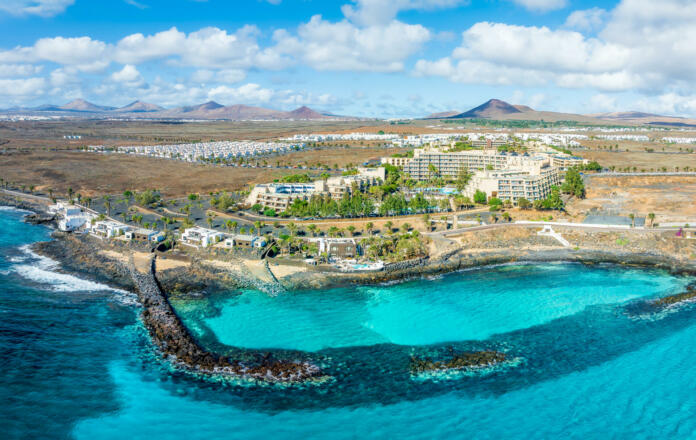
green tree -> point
(480, 197)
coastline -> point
(116, 266)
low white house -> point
(245, 241)
(201, 237)
(338, 247)
(141, 234)
(108, 229)
(70, 217)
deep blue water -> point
(590, 360)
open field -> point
(667, 196)
(643, 161)
(50, 134)
(95, 174)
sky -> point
(382, 58)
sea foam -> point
(43, 270)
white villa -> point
(109, 229)
(70, 217)
(201, 237)
(244, 241)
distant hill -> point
(139, 107)
(500, 110)
(447, 114)
(80, 105)
(633, 117)
(208, 110)
(305, 112)
(492, 109)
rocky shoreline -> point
(175, 342)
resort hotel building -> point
(279, 196)
(498, 174)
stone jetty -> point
(176, 343)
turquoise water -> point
(74, 362)
(469, 305)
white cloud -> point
(15, 70)
(43, 8)
(29, 88)
(206, 48)
(375, 12)
(643, 46)
(603, 103)
(128, 76)
(542, 5)
(326, 45)
(248, 93)
(587, 19)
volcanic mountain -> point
(80, 105)
(139, 107)
(492, 109)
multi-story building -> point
(514, 184)
(279, 196)
(563, 162)
(396, 161)
(426, 162)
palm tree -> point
(70, 194)
(258, 225)
(651, 216)
(351, 229)
(313, 229)
(369, 227)
(228, 225)
(426, 221)
(389, 225)
(507, 217)
(107, 205)
(209, 220)
(632, 216)
(333, 231)
(405, 227)
(292, 227)
(234, 226)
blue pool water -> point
(74, 362)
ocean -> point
(587, 358)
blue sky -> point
(386, 58)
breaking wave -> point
(44, 271)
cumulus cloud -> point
(542, 5)
(16, 70)
(43, 8)
(18, 90)
(209, 47)
(342, 45)
(375, 12)
(587, 19)
(128, 76)
(643, 46)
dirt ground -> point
(643, 161)
(671, 198)
(92, 174)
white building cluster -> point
(207, 150)
(679, 140)
(623, 137)
(341, 137)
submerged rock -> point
(460, 361)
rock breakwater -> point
(175, 342)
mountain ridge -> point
(208, 110)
